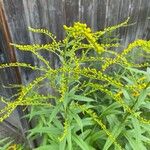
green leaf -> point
(128, 80)
(85, 134)
(45, 130)
(96, 136)
(83, 145)
(131, 141)
(141, 99)
(5, 143)
(47, 147)
(111, 109)
(69, 139)
(115, 132)
(136, 70)
(62, 145)
(137, 133)
(58, 123)
(4, 140)
(128, 147)
(146, 127)
(34, 113)
(126, 94)
(148, 74)
(78, 119)
(145, 139)
(82, 98)
(54, 113)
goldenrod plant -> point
(7, 144)
(100, 97)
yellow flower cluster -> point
(139, 85)
(12, 147)
(136, 93)
(112, 28)
(137, 43)
(141, 65)
(8, 109)
(11, 106)
(66, 125)
(81, 30)
(95, 117)
(78, 29)
(63, 87)
(17, 64)
(85, 46)
(137, 88)
(34, 46)
(94, 74)
(44, 31)
(128, 109)
(110, 45)
(42, 59)
(76, 70)
(117, 98)
(88, 59)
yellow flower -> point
(95, 117)
(66, 125)
(12, 147)
(135, 94)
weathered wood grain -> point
(13, 126)
(52, 14)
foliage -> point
(100, 98)
(7, 144)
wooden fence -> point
(53, 14)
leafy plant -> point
(7, 144)
(91, 106)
